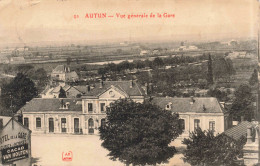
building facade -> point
(203, 112)
(63, 73)
(78, 115)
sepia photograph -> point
(129, 83)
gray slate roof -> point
(238, 131)
(124, 86)
(183, 105)
(51, 104)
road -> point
(86, 149)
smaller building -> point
(53, 92)
(17, 60)
(63, 73)
(194, 112)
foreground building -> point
(86, 114)
(78, 115)
(204, 112)
(15, 142)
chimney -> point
(146, 88)
(192, 100)
(88, 88)
(61, 104)
(131, 84)
(151, 87)
(249, 135)
(101, 84)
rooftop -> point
(60, 68)
(238, 131)
(52, 104)
(129, 87)
(195, 104)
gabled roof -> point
(124, 86)
(59, 68)
(12, 118)
(51, 104)
(183, 105)
(71, 75)
(238, 131)
(57, 88)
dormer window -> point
(168, 106)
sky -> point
(39, 21)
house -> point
(194, 112)
(63, 73)
(193, 48)
(17, 60)
(144, 52)
(78, 115)
(15, 142)
(53, 92)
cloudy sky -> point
(27, 21)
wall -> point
(204, 118)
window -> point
(63, 125)
(90, 123)
(26, 122)
(182, 124)
(90, 107)
(103, 123)
(102, 107)
(196, 123)
(212, 126)
(38, 123)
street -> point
(86, 150)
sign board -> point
(15, 153)
(15, 144)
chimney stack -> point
(131, 84)
(146, 88)
(192, 100)
(151, 87)
(88, 88)
(101, 84)
(249, 135)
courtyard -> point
(49, 150)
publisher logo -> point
(67, 156)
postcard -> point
(130, 82)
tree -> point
(243, 104)
(158, 62)
(254, 78)
(210, 71)
(62, 93)
(139, 133)
(16, 93)
(203, 148)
